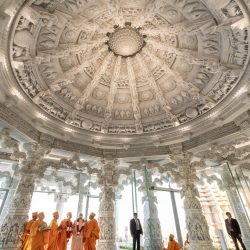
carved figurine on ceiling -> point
(168, 62)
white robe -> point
(77, 239)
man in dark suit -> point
(136, 231)
(233, 230)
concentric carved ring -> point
(125, 41)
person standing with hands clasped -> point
(233, 230)
(136, 231)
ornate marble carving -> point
(226, 152)
(134, 95)
(107, 180)
(10, 143)
(32, 168)
(52, 47)
(183, 171)
(113, 87)
(126, 41)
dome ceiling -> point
(127, 67)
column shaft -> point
(107, 219)
(197, 226)
(107, 181)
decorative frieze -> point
(63, 64)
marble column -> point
(12, 225)
(32, 169)
(235, 201)
(107, 181)
(107, 219)
(196, 223)
(152, 227)
(183, 172)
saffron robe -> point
(77, 239)
(39, 235)
(53, 235)
(26, 239)
(65, 232)
(91, 234)
(173, 245)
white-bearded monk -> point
(78, 227)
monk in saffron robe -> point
(53, 235)
(39, 233)
(65, 232)
(91, 233)
(78, 227)
(172, 244)
(26, 243)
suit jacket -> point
(234, 225)
(133, 230)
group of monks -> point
(39, 236)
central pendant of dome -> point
(126, 41)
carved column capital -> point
(228, 152)
(46, 140)
(33, 162)
(9, 143)
(109, 175)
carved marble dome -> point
(126, 69)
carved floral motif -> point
(179, 40)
